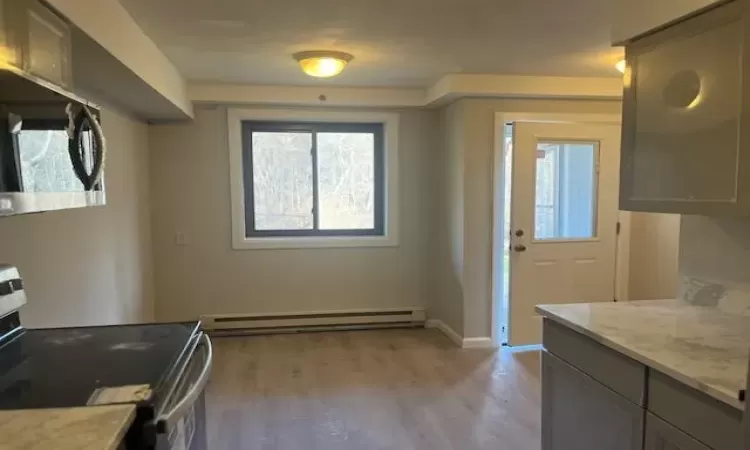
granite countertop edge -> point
(728, 397)
(117, 438)
(81, 428)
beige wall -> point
(446, 300)
(90, 266)
(477, 161)
(654, 252)
(190, 194)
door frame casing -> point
(498, 189)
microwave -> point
(52, 147)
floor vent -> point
(230, 324)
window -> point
(566, 185)
(313, 179)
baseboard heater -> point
(230, 324)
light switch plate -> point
(180, 239)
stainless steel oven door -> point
(184, 416)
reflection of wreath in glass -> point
(85, 121)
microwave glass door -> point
(43, 153)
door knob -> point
(519, 248)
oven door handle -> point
(170, 418)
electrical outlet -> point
(180, 239)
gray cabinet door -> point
(40, 40)
(716, 424)
(579, 413)
(661, 435)
(47, 50)
(685, 137)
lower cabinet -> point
(660, 435)
(579, 413)
(595, 398)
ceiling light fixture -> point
(621, 65)
(321, 63)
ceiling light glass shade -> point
(323, 64)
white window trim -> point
(390, 121)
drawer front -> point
(623, 375)
(708, 420)
(661, 435)
(579, 413)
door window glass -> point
(566, 186)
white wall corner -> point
(622, 260)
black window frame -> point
(378, 132)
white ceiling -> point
(405, 43)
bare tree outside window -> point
(346, 177)
(306, 179)
(282, 181)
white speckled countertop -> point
(703, 347)
(84, 428)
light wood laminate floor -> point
(362, 390)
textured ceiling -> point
(395, 42)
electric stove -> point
(160, 368)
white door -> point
(564, 207)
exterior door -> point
(564, 209)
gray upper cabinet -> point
(39, 39)
(660, 435)
(579, 413)
(686, 117)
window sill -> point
(314, 242)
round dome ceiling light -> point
(621, 66)
(321, 63)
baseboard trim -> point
(456, 338)
(448, 331)
(478, 343)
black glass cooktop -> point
(63, 367)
